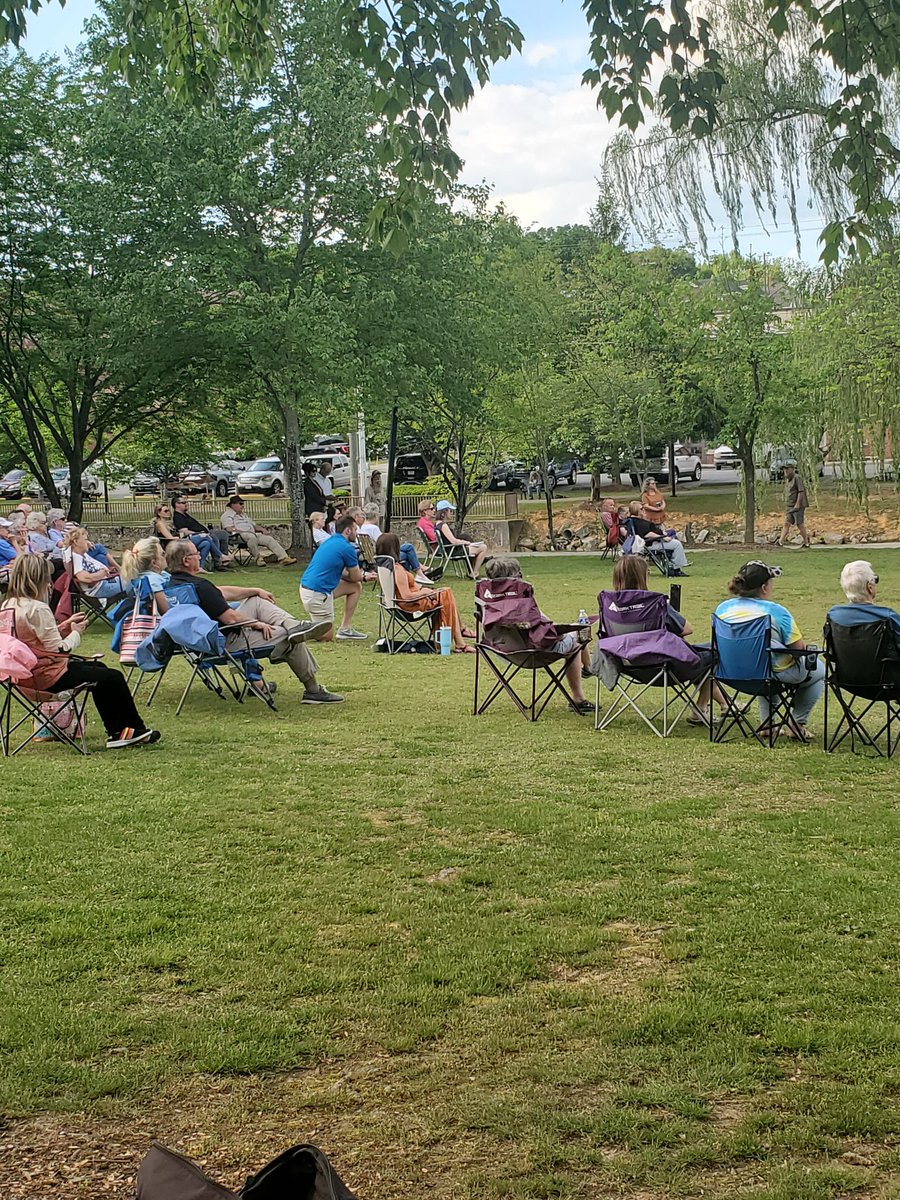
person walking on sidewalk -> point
(796, 502)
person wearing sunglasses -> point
(859, 583)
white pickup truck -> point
(687, 466)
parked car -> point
(340, 467)
(219, 477)
(91, 487)
(410, 468)
(687, 466)
(265, 475)
(144, 484)
(780, 455)
(563, 470)
(14, 485)
(330, 442)
(724, 458)
(511, 475)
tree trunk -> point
(76, 495)
(616, 464)
(596, 485)
(749, 492)
(300, 533)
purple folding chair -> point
(514, 637)
(651, 661)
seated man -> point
(859, 584)
(182, 519)
(269, 625)
(259, 540)
(510, 638)
(334, 571)
(10, 542)
(637, 518)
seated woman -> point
(366, 522)
(411, 598)
(163, 529)
(425, 523)
(751, 591)
(52, 644)
(144, 569)
(652, 500)
(476, 550)
(37, 534)
(655, 533)
(317, 526)
(509, 639)
(630, 573)
(99, 581)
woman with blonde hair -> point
(144, 568)
(97, 580)
(52, 644)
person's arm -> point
(352, 574)
(802, 501)
(162, 603)
(50, 635)
(227, 520)
(230, 592)
(261, 528)
(448, 535)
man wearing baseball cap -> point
(795, 504)
(751, 589)
(474, 551)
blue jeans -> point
(205, 545)
(108, 589)
(812, 685)
(409, 558)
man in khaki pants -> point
(258, 540)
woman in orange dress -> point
(411, 598)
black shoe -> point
(581, 706)
(585, 673)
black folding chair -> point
(655, 552)
(862, 673)
(239, 551)
(397, 627)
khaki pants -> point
(258, 543)
(298, 658)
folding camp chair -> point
(650, 662)
(240, 551)
(80, 601)
(544, 667)
(397, 627)
(366, 551)
(226, 672)
(21, 705)
(612, 548)
(457, 557)
(863, 665)
(743, 658)
(655, 552)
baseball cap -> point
(4, 524)
(445, 506)
(754, 574)
(790, 462)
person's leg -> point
(477, 555)
(409, 558)
(319, 607)
(800, 520)
(100, 552)
(274, 547)
(252, 543)
(450, 616)
(220, 540)
(786, 528)
(677, 557)
(204, 545)
(111, 696)
(573, 678)
(351, 593)
(809, 693)
(108, 589)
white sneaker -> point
(351, 635)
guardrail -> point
(139, 510)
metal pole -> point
(392, 454)
(673, 478)
(356, 495)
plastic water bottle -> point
(444, 634)
(583, 618)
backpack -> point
(301, 1173)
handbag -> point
(301, 1173)
(58, 715)
(135, 628)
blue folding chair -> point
(655, 552)
(743, 667)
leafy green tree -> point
(98, 337)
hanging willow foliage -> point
(773, 140)
(852, 344)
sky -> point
(534, 133)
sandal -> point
(463, 649)
(468, 633)
(802, 734)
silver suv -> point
(265, 475)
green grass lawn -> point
(648, 969)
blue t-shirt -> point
(327, 564)
(784, 627)
(7, 552)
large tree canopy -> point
(679, 62)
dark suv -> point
(410, 468)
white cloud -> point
(540, 52)
(539, 145)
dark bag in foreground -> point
(301, 1173)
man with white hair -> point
(859, 584)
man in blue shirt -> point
(859, 584)
(334, 571)
(8, 550)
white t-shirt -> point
(320, 536)
(83, 562)
(370, 530)
(324, 483)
